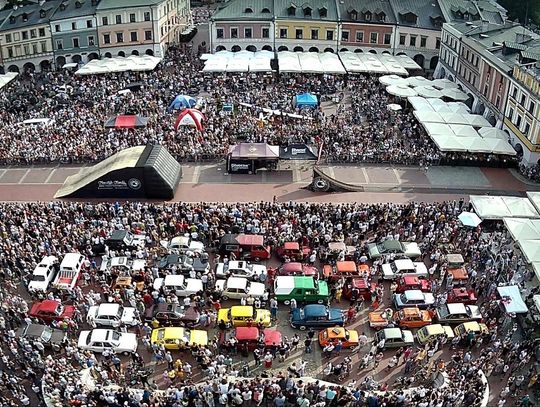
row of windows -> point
(118, 18)
(467, 75)
(89, 24)
(26, 49)
(470, 57)
(523, 100)
(75, 42)
(413, 41)
(523, 125)
(373, 37)
(133, 37)
(25, 35)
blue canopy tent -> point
(182, 101)
(305, 100)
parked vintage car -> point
(182, 262)
(341, 269)
(181, 286)
(356, 287)
(338, 250)
(51, 310)
(316, 316)
(99, 340)
(50, 337)
(251, 337)
(244, 247)
(412, 317)
(381, 319)
(121, 265)
(174, 337)
(70, 271)
(302, 289)
(238, 287)
(43, 274)
(243, 315)
(348, 337)
(395, 338)
(473, 326)
(113, 315)
(413, 283)
(183, 245)
(125, 240)
(408, 249)
(457, 313)
(294, 251)
(462, 294)
(240, 268)
(401, 267)
(459, 276)
(170, 314)
(295, 268)
(414, 298)
(428, 332)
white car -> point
(121, 264)
(98, 340)
(404, 267)
(239, 287)
(183, 244)
(43, 274)
(183, 287)
(240, 269)
(112, 314)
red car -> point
(294, 251)
(298, 269)
(250, 337)
(51, 310)
(356, 287)
(462, 294)
(413, 283)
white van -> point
(43, 274)
(70, 270)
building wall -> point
(257, 40)
(350, 40)
(306, 42)
(423, 49)
(34, 47)
(86, 33)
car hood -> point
(92, 311)
(220, 285)
(220, 269)
(387, 269)
(128, 341)
(83, 338)
(256, 289)
(373, 250)
(336, 313)
(199, 337)
(475, 311)
(194, 285)
(429, 298)
(408, 336)
(57, 336)
(353, 336)
(129, 315)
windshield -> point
(187, 336)
(161, 334)
(115, 336)
(38, 278)
(46, 334)
(443, 311)
(393, 267)
(120, 312)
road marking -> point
(264, 178)
(24, 176)
(50, 176)
(196, 173)
(2, 173)
(397, 175)
(364, 171)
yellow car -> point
(243, 315)
(179, 338)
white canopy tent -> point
(534, 197)
(448, 143)
(420, 103)
(310, 62)
(237, 65)
(260, 65)
(443, 84)
(477, 121)
(530, 250)
(6, 78)
(455, 94)
(520, 207)
(492, 132)
(427, 116)
(242, 61)
(401, 91)
(490, 207)
(511, 299)
(428, 92)
(351, 62)
(523, 228)
(355, 62)
(408, 63)
(454, 118)
(392, 79)
(462, 130)
(331, 63)
(119, 64)
(418, 81)
(500, 146)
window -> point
(266, 33)
(387, 38)
(10, 52)
(248, 33)
(498, 101)
(307, 12)
(8, 37)
(219, 32)
(423, 42)
(412, 42)
(314, 34)
(234, 32)
(248, 10)
(299, 33)
(323, 12)
(527, 128)
(104, 21)
(367, 16)
(283, 33)
(374, 38)
(514, 93)
(43, 45)
(330, 35)
(402, 39)
(16, 36)
(291, 11)
(522, 103)
(133, 36)
(24, 35)
(91, 40)
(89, 24)
(75, 42)
(34, 48)
(106, 38)
(59, 44)
(33, 33)
(74, 26)
(531, 107)
(518, 121)
(486, 89)
(148, 35)
(345, 36)
(359, 36)
(437, 43)
(118, 19)
(26, 49)
(132, 18)
(146, 16)
(119, 37)
(511, 114)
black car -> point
(49, 336)
(200, 265)
(169, 314)
(124, 240)
(183, 263)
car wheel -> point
(320, 301)
(287, 302)
(126, 353)
(302, 327)
(257, 259)
(224, 297)
(353, 348)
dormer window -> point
(12, 19)
(78, 4)
(265, 11)
(410, 18)
(62, 7)
(291, 10)
(307, 11)
(323, 12)
(367, 16)
(248, 10)
(382, 17)
(42, 13)
(25, 16)
(353, 14)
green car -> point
(302, 289)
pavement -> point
(210, 182)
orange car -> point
(412, 317)
(380, 319)
(348, 337)
(460, 277)
(342, 268)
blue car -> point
(316, 316)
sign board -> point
(240, 166)
(297, 152)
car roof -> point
(98, 335)
(245, 333)
(336, 332)
(110, 308)
(456, 308)
(49, 305)
(392, 333)
(237, 282)
(346, 267)
(459, 273)
(242, 310)
(47, 260)
(454, 258)
(472, 326)
(410, 280)
(292, 267)
(34, 329)
(337, 246)
(237, 264)
(250, 240)
(173, 331)
(404, 263)
(291, 246)
(71, 258)
(411, 311)
(316, 310)
(414, 295)
(173, 279)
(272, 336)
(434, 329)
(118, 235)
(392, 245)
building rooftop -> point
(428, 13)
(29, 15)
(245, 10)
(356, 10)
(125, 4)
(317, 10)
(75, 8)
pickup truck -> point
(70, 271)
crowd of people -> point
(32, 230)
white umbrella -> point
(418, 81)
(400, 91)
(455, 94)
(492, 132)
(394, 106)
(469, 219)
(443, 84)
(393, 80)
(428, 92)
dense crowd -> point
(359, 129)
(31, 230)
